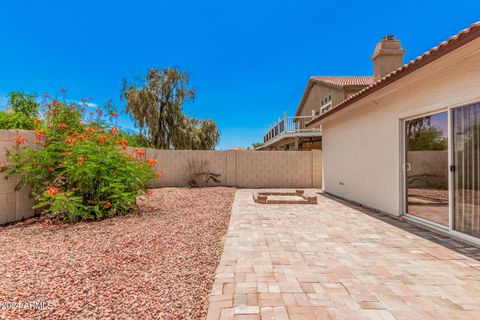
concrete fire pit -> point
(284, 197)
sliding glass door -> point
(432, 180)
(466, 167)
(426, 168)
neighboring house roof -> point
(342, 81)
(463, 37)
(339, 82)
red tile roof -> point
(463, 37)
(342, 81)
(334, 81)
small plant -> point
(80, 171)
(198, 173)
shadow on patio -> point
(436, 237)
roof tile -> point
(342, 81)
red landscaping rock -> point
(158, 264)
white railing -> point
(289, 125)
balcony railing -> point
(289, 125)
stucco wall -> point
(317, 93)
(361, 144)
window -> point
(326, 104)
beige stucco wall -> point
(361, 144)
(317, 93)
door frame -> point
(449, 230)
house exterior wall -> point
(317, 93)
(362, 154)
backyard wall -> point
(14, 205)
(243, 169)
(429, 169)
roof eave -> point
(310, 84)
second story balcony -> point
(289, 127)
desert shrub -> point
(80, 171)
(198, 173)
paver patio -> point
(333, 260)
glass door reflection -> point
(426, 167)
(466, 159)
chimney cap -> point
(389, 37)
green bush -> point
(80, 171)
(20, 113)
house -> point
(321, 93)
(409, 143)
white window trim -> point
(325, 107)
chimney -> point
(388, 56)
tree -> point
(427, 138)
(194, 134)
(157, 109)
(423, 136)
(21, 112)
(256, 145)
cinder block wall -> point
(14, 205)
(243, 169)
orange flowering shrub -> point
(80, 171)
(139, 152)
(20, 140)
(152, 162)
(52, 191)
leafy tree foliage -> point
(430, 138)
(157, 109)
(20, 113)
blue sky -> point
(249, 60)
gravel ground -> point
(158, 264)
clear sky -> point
(249, 60)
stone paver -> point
(333, 260)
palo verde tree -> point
(157, 109)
